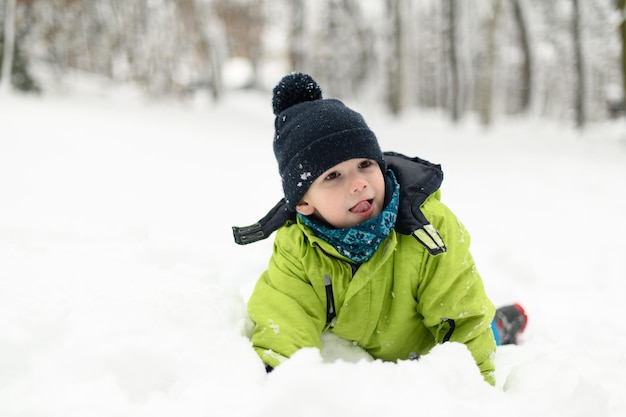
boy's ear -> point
(305, 208)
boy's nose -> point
(358, 184)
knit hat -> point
(314, 134)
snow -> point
(122, 292)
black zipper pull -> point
(330, 301)
(448, 334)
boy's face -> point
(348, 194)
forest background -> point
(561, 59)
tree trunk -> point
(298, 58)
(455, 84)
(9, 46)
(527, 65)
(206, 52)
(622, 32)
(395, 59)
(255, 40)
(364, 56)
(488, 72)
(579, 103)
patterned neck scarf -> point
(358, 243)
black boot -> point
(511, 322)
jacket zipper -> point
(330, 302)
(331, 312)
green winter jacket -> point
(396, 306)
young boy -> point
(364, 247)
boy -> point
(364, 247)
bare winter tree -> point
(454, 104)
(579, 66)
(296, 51)
(9, 45)
(341, 56)
(243, 23)
(527, 63)
(395, 59)
(364, 39)
(206, 55)
(431, 70)
(489, 64)
(621, 5)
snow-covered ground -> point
(123, 294)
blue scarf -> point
(358, 243)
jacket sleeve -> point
(284, 307)
(451, 296)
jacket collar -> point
(418, 179)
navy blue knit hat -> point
(314, 134)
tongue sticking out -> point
(362, 207)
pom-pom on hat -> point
(314, 134)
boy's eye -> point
(365, 164)
(331, 176)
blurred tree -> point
(579, 66)
(206, 56)
(363, 47)
(20, 76)
(430, 83)
(243, 23)
(454, 104)
(488, 65)
(340, 49)
(395, 61)
(296, 38)
(527, 62)
(8, 45)
(15, 71)
(621, 6)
